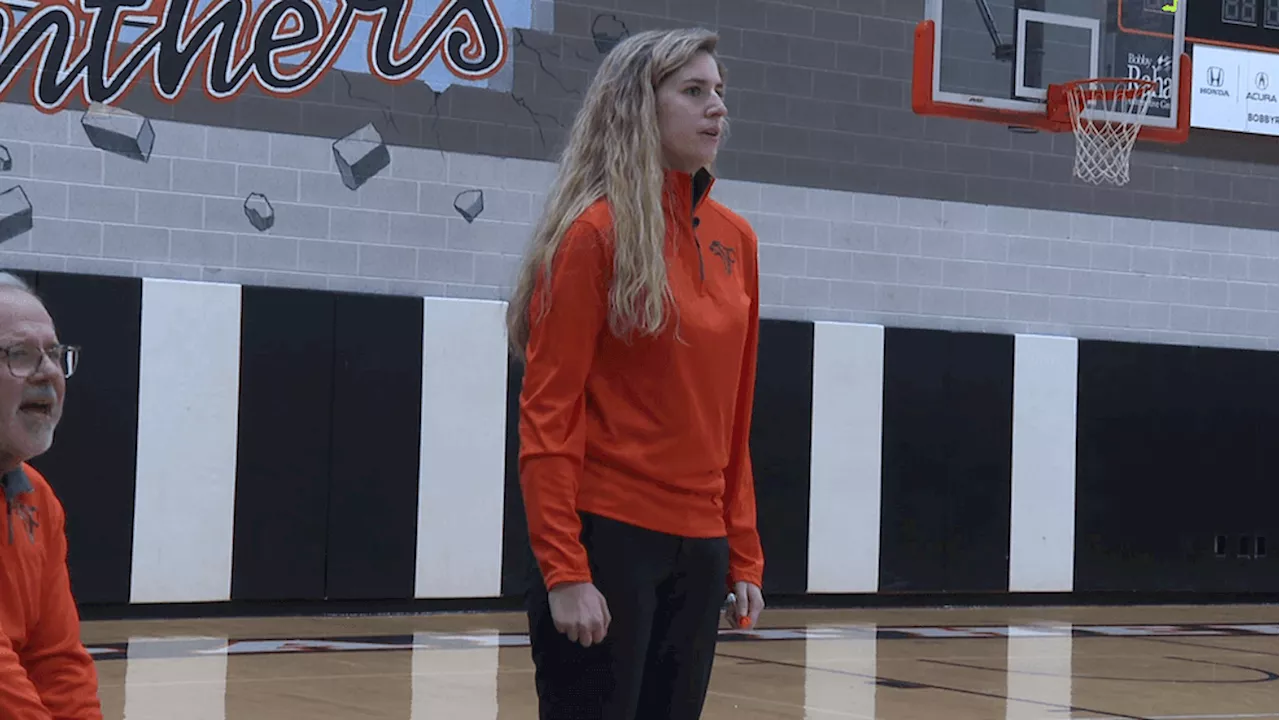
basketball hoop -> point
(1106, 111)
(1105, 136)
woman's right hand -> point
(580, 612)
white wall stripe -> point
(188, 406)
(1039, 669)
(829, 695)
(463, 450)
(844, 490)
(1042, 522)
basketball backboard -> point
(1005, 61)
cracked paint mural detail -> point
(400, 58)
(360, 156)
(259, 211)
(15, 213)
(469, 204)
(355, 137)
(119, 131)
(607, 31)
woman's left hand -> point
(748, 603)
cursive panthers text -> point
(283, 46)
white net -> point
(1105, 135)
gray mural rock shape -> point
(360, 156)
(119, 131)
(6, 160)
(259, 211)
(607, 31)
(469, 204)
(15, 213)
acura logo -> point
(1215, 76)
(1262, 81)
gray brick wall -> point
(820, 95)
(825, 254)
(866, 211)
(181, 214)
(850, 126)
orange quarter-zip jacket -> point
(45, 671)
(652, 431)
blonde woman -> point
(636, 314)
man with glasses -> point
(45, 671)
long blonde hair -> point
(614, 151)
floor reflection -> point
(164, 674)
(825, 666)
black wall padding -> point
(1176, 446)
(946, 480)
(92, 465)
(282, 463)
(915, 454)
(781, 434)
(377, 408)
(981, 468)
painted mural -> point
(101, 59)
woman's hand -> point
(580, 612)
(748, 602)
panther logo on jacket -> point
(28, 515)
(726, 254)
(13, 486)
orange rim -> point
(1136, 88)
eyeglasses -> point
(24, 360)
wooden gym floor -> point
(1159, 663)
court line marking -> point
(811, 708)
(1192, 717)
(1208, 647)
(397, 641)
(305, 678)
(370, 676)
(1267, 676)
(912, 684)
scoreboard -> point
(1232, 43)
(1247, 24)
(1241, 24)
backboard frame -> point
(1036, 108)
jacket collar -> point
(688, 190)
(15, 483)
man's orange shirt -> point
(45, 671)
(652, 431)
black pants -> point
(665, 594)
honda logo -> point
(1216, 76)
